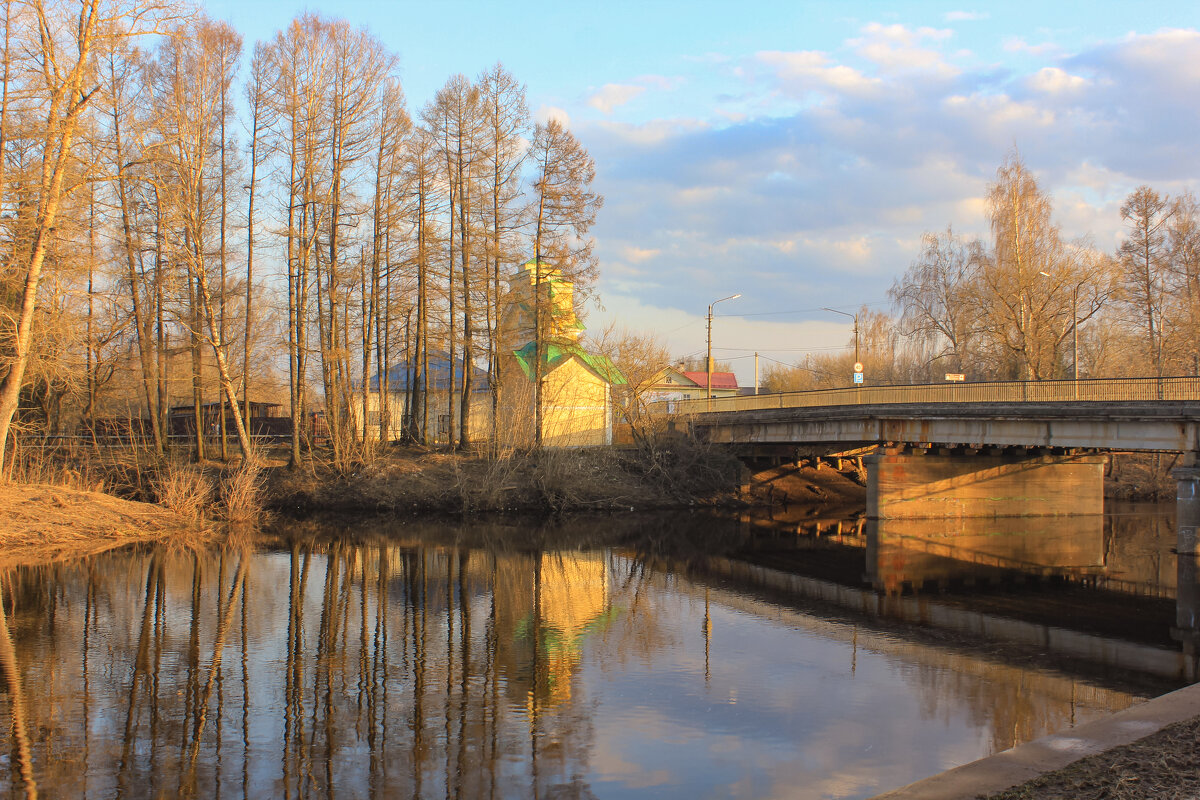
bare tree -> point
(1184, 251)
(1143, 259)
(564, 210)
(505, 127)
(1026, 248)
(640, 358)
(192, 82)
(61, 57)
(937, 296)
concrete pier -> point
(903, 484)
(1187, 507)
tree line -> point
(1029, 304)
(183, 219)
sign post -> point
(858, 373)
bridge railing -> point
(1094, 390)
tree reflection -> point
(394, 663)
(16, 695)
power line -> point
(871, 304)
(787, 349)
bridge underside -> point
(974, 459)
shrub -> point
(184, 489)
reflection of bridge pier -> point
(1187, 610)
(904, 553)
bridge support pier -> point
(916, 485)
(1187, 507)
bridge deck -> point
(1149, 425)
(1101, 390)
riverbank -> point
(1146, 752)
(40, 523)
(677, 474)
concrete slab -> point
(1028, 761)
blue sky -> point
(795, 152)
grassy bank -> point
(410, 480)
(404, 480)
(41, 523)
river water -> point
(677, 656)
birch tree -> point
(63, 39)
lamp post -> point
(708, 360)
(853, 317)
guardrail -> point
(1090, 390)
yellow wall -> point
(576, 407)
(576, 410)
(480, 420)
(558, 298)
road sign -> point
(955, 376)
(858, 366)
(858, 377)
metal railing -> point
(1091, 390)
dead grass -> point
(241, 493)
(41, 523)
(184, 489)
(553, 481)
(1162, 766)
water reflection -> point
(482, 662)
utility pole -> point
(756, 374)
(708, 362)
(854, 317)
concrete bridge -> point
(979, 449)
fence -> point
(1091, 390)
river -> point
(668, 656)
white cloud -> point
(900, 48)
(653, 132)
(817, 165)
(1053, 80)
(546, 113)
(811, 70)
(639, 254)
(1018, 45)
(613, 95)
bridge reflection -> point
(1104, 589)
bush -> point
(242, 493)
(184, 489)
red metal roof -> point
(720, 380)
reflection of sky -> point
(792, 705)
(781, 715)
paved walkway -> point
(1028, 761)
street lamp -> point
(708, 361)
(853, 317)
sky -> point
(795, 152)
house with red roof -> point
(673, 383)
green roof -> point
(554, 353)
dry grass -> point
(41, 523)
(35, 466)
(553, 481)
(1163, 766)
(184, 489)
(242, 495)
